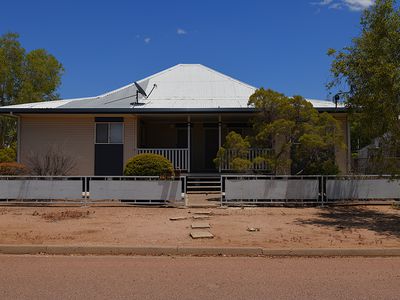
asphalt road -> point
(72, 277)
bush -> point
(149, 165)
(51, 162)
(13, 168)
(8, 155)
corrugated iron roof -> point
(182, 87)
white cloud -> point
(335, 6)
(147, 40)
(181, 31)
(354, 5)
(358, 4)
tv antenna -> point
(338, 96)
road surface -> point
(91, 277)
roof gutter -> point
(12, 111)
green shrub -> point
(13, 168)
(8, 155)
(149, 165)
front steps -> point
(203, 184)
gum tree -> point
(368, 71)
(303, 141)
(24, 77)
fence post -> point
(222, 189)
(86, 190)
(323, 189)
(183, 181)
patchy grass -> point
(63, 215)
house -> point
(183, 113)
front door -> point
(211, 145)
(109, 147)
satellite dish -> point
(140, 90)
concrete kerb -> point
(327, 252)
(192, 251)
(216, 251)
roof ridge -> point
(116, 90)
(140, 80)
(228, 77)
(161, 72)
(173, 68)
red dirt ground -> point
(340, 227)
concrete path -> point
(80, 277)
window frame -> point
(109, 133)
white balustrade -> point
(179, 157)
(252, 154)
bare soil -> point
(339, 227)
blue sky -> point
(104, 45)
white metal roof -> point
(184, 86)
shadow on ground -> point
(386, 223)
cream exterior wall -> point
(74, 134)
(130, 137)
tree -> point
(234, 153)
(24, 77)
(303, 140)
(369, 69)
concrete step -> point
(204, 187)
(203, 184)
(204, 192)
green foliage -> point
(303, 139)
(8, 155)
(24, 77)
(149, 165)
(370, 69)
(238, 149)
(241, 164)
(13, 168)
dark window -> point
(102, 133)
(109, 133)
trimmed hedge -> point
(149, 165)
(13, 168)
